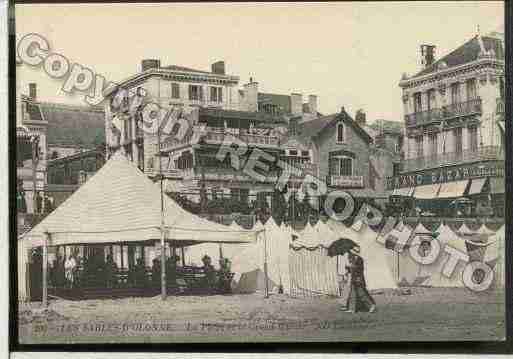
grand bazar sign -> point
(442, 175)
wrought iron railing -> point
(443, 159)
(446, 112)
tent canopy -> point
(120, 204)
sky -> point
(348, 54)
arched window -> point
(340, 132)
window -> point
(419, 141)
(396, 169)
(305, 153)
(417, 102)
(340, 132)
(195, 92)
(175, 90)
(346, 166)
(455, 92)
(431, 99)
(501, 86)
(458, 141)
(216, 94)
(293, 152)
(433, 144)
(471, 89)
(472, 138)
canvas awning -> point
(497, 185)
(428, 191)
(405, 192)
(452, 189)
(476, 186)
(120, 204)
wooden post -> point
(265, 266)
(45, 269)
(183, 257)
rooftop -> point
(468, 52)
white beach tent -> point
(377, 260)
(120, 204)
(447, 237)
(249, 264)
(494, 256)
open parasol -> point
(340, 247)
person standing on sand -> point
(359, 298)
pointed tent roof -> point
(120, 204)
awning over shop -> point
(497, 185)
(452, 189)
(428, 191)
(476, 186)
(405, 192)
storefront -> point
(458, 191)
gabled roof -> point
(120, 204)
(314, 127)
(466, 53)
(74, 125)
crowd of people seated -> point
(72, 271)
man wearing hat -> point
(359, 298)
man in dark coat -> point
(359, 298)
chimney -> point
(251, 96)
(218, 68)
(360, 118)
(33, 91)
(312, 104)
(147, 64)
(296, 104)
(427, 55)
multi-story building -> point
(341, 151)
(454, 139)
(214, 107)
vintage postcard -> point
(273, 172)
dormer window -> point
(340, 132)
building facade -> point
(341, 152)
(213, 106)
(454, 131)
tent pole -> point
(162, 234)
(45, 270)
(265, 266)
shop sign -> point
(443, 175)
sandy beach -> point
(421, 314)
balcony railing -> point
(450, 158)
(500, 106)
(459, 109)
(250, 139)
(346, 181)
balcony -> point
(250, 139)
(500, 106)
(346, 181)
(467, 108)
(485, 153)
